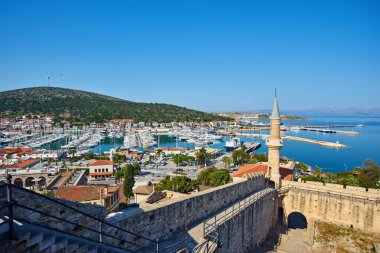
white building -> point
(100, 169)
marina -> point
(337, 144)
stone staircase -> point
(32, 238)
(31, 222)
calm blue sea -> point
(361, 147)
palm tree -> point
(227, 161)
(201, 156)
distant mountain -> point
(85, 107)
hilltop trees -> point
(63, 105)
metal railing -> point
(210, 226)
(11, 203)
(230, 212)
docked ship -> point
(233, 144)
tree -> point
(72, 151)
(227, 161)
(180, 158)
(129, 182)
(239, 156)
(317, 172)
(202, 156)
(219, 177)
(370, 175)
(302, 166)
(204, 175)
(117, 158)
(180, 184)
(261, 157)
(133, 168)
(214, 177)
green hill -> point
(86, 107)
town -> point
(141, 176)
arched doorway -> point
(297, 220)
(29, 182)
(18, 182)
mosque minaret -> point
(274, 144)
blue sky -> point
(208, 55)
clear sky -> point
(209, 55)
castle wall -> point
(348, 207)
(162, 220)
(249, 228)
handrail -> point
(11, 202)
(210, 226)
(81, 212)
(70, 222)
(60, 231)
(240, 205)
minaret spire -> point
(274, 144)
(275, 110)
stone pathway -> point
(295, 241)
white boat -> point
(283, 128)
(233, 144)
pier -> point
(327, 130)
(330, 126)
(322, 143)
(295, 138)
(254, 129)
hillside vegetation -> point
(81, 106)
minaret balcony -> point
(274, 142)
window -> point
(96, 170)
(102, 170)
(107, 170)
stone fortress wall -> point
(162, 220)
(248, 229)
(351, 206)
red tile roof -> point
(84, 192)
(21, 165)
(168, 149)
(19, 150)
(285, 173)
(143, 189)
(101, 162)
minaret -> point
(274, 144)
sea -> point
(361, 147)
